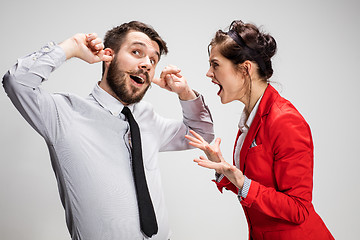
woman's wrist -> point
(240, 181)
(235, 176)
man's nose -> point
(146, 64)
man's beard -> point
(117, 82)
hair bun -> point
(253, 45)
(269, 45)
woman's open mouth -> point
(221, 88)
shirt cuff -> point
(50, 57)
(38, 65)
(245, 189)
(192, 107)
(218, 177)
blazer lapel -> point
(237, 139)
(254, 128)
(267, 101)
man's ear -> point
(109, 56)
(109, 52)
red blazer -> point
(278, 205)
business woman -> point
(272, 173)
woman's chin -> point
(223, 100)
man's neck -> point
(105, 86)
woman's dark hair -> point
(115, 37)
(259, 47)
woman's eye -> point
(136, 52)
(214, 65)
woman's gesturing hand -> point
(215, 159)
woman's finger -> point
(199, 146)
(191, 138)
(195, 134)
(208, 164)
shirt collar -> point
(108, 102)
(244, 124)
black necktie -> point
(148, 222)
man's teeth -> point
(138, 79)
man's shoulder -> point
(67, 97)
(143, 107)
(71, 101)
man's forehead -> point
(139, 38)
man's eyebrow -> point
(138, 43)
(144, 45)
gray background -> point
(316, 67)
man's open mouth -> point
(137, 79)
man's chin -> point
(134, 98)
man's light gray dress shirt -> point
(88, 141)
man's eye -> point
(136, 52)
(152, 61)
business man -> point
(104, 148)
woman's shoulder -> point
(284, 114)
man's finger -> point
(103, 57)
(157, 81)
(170, 71)
(169, 79)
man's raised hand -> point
(172, 80)
(88, 47)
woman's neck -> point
(257, 90)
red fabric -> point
(278, 205)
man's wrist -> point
(187, 95)
(70, 47)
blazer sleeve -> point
(225, 183)
(292, 150)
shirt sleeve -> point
(196, 116)
(22, 83)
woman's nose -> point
(210, 74)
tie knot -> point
(126, 111)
